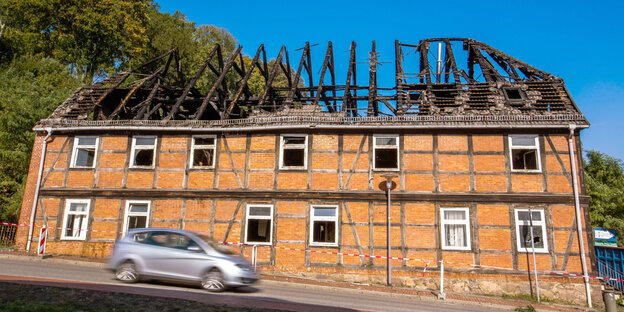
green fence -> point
(7, 235)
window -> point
(137, 214)
(85, 149)
(524, 150)
(259, 221)
(523, 230)
(323, 225)
(455, 228)
(75, 219)
(143, 152)
(513, 94)
(293, 151)
(203, 152)
(386, 150)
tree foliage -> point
(92, 36)
(604, 178)
(30, 89)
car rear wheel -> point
(213, 281)
(127, 272)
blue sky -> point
(579, 41)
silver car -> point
(168, 254)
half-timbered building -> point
(478, 146)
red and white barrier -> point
(42, 240)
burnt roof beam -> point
(191, 84)
(295, 83)
(202, 108)
(319, 89)
(269, 82)
(227, 113)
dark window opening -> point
(202, 157)
(294, 158)
(294, 140)
(386, 158)
(204, 141)
(144, 157)
(324, 232)
(258, 231)
(513, 94)
(135, 222)
(524, 159)
(525, 237)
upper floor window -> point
(524, 151)
(85, 149)
(386, 152)
(524, 219)
(293, 151)
(203, 151)
(143, 152)
(324, 225)
(455, 228)
(75, 219)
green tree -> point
(90, 36)
(604, 176)
(30, 89)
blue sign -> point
(605, 235)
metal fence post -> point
(441, 294)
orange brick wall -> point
(430, 164)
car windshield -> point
(216, 246)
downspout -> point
(577, 208)
(33, 211)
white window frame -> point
(136, 147)
(541, 224)
(297, 146)
(76, 147)
(127, 214)
(83, 229)
(314, 218)
(202, 146)
(466, 223)
(535, 147)
(269, 217)
(375, 146)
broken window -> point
(259, 221)
(324, 220)
(513, 94)
(203, 152)
(524, 219)
(386, 150)
(84, 152)
(455, 228)
(293, 151)
(137, 213)
(76, 219)
(524, 150)
(143, 151)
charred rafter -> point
(237, 86)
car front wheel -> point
(127, 272)
(213, 281)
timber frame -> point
(490, 86)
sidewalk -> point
(458, 298)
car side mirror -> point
(195, 249)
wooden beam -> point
(191, 84)
(244, 82)
(373, 108)
(132, 91)
(319, 88)
(202, 108)
(272, 75)
(346, 97)
(293, 87)
(148, 102)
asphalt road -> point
(270, 293)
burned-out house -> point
(478, 146)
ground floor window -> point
(75, 219)
(455, 228)
(137, 214)
(323, 225)
(524, 219)
(259, 224)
